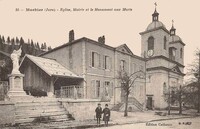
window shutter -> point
(104, 62)
(93, 88)
(110, 63)
(125, 68)
(112, 89)
(99, 60)
(90, 58)
(120, 66)
(103, 88)
(98, 88)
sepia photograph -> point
(103, 64)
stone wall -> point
(82, 109)
(7, 113)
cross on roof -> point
(155, 4)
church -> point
(90, 68)
(164, 51)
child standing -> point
(106, 114)
(98, 111)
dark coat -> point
(98, 112)
(106, 114)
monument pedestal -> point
(16, 90)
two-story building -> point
(99, 65)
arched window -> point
(172, 53)
(151, 43)
(181, 53)
(164, 88)
(165, 43)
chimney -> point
(101, 39)
(71, 35)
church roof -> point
(155, 25)
(50, 66)
(174, 38)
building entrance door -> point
(149, 103)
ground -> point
(145, 119)
(183, 123)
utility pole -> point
(199, 84)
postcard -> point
(99, 64)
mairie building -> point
(91, 68)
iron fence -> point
(73, 91)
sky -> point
(119, 27)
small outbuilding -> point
(47, 75)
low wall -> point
(7, 112)
(82, 109)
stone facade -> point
(7, 113)
(164, 52)
(77, 108)
(101, 71)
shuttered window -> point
(95, 60)
(96, 88)
(107, 62)
(122, 65)
(109, 88)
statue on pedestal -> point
(15, 60)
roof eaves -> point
(61, 46)
(98, 43)
(161, 27)
(179, 41)
(65, 76)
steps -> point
(132, 102)
(40, 111)
(135, 102)
(117, 107)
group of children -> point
(105, 112)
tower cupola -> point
(155, 14)
(172, 30)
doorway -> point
(149, 102)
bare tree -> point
(178, 95)
(194, 72)
(127, 81)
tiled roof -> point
(51, 66)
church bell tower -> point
(163, 52)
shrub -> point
(37, 92)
